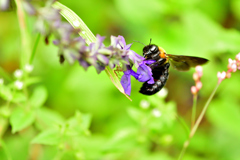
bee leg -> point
(157, 63)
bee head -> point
(150, 50)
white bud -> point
(144, 104)
(18, 73)
(28, 68)
(18, 84)
(162, 93)
(156, 113)
(1, 81)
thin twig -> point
(195, 127)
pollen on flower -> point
(18, 73)
(18, 84)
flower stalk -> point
(233, 66)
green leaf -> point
(39, 96)
(6, 93)
(32, 80)
(48, 137)
(76, 22)
(5, 75)
(136, 114)
(19, 97)
(21, 119)
(225, 115)
(46, 118)
(79, 124)
(85, 32)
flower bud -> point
(199, 70)
(195, 76)
(194, 90)
(18, 84)
(144, 104)
(156, 113)
(221, 76)
(18, 73)
(199, 85)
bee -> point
(160, 68)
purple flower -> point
(126, 79)
(144, 74)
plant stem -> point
(195, 127)
(194, 110)
(5, 149)
(34, 48)
(25, 40)
(182, 122)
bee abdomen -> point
(160, 76)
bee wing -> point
(184, 63)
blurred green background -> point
(208, 29)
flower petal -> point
(145, 73)
(126, 83)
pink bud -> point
(195, 76)
(238, 57)
(228, 74)
(234, 67)
(194, 90)
(199, 85)
(221, 76)
(199, 70)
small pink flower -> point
(194, 90)
(238, 57)
(228, 74)
(199, 85)
(221, 76)
(195, 76)
(232, 65)
(199, 70)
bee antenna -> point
(150, 41)
(139, 42)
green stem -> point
(76, 22)
(5, 75)
(194, 110)
(4, 147)
(195, 127)
(182, 122)
(34, 48)
(25, 38)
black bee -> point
(161, 66)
